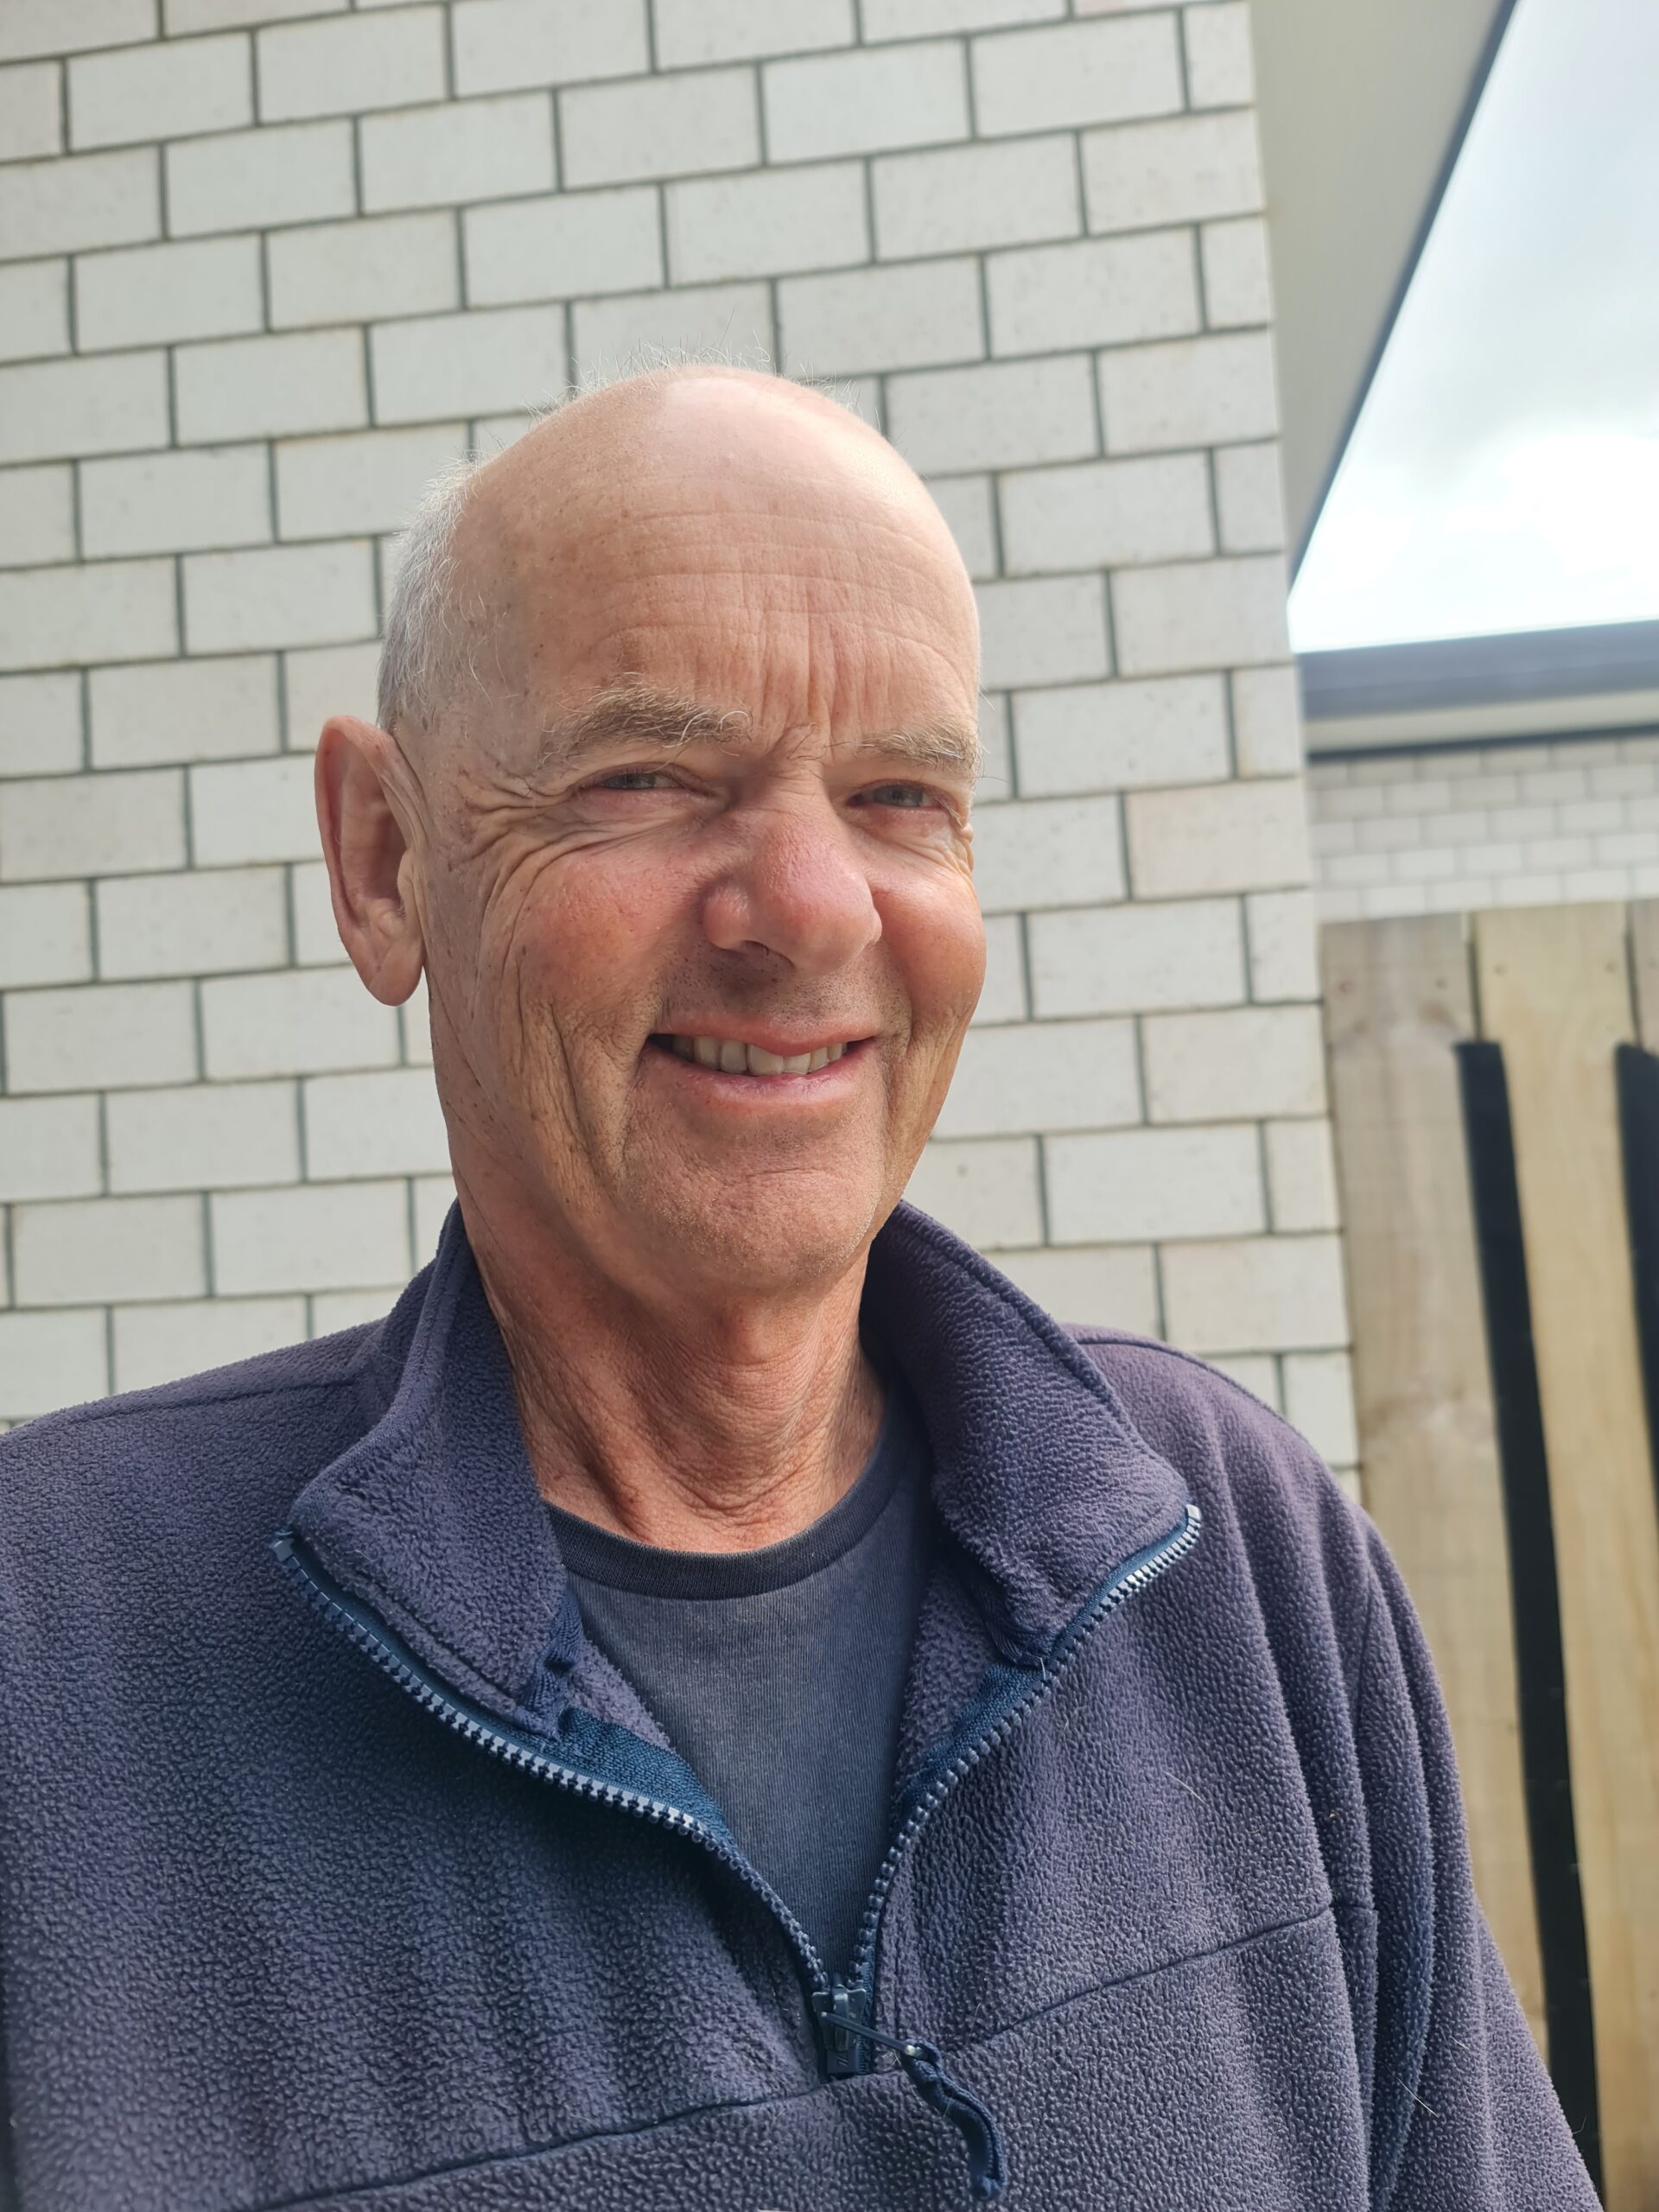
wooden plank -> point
(1645, 970)
(1397, 998)
(1554, 991)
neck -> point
(672, 1421)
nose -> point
(796, 890)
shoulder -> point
(1267, 1497)
(128, 1465)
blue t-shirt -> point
(778, 1674)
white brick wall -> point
(1454, 827)
(269, 263)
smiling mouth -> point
(727, 1056)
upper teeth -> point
(732, 1058)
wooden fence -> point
(1496, 1093)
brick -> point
(1180, 171)
(433, 1196)
(316, 940)
(211, 921)
(1073, 1075)
(659, 126)
(1110, 514)
(298, 1022)
(1191, 392)
(1047, 630)
(67, 826)
(1136, 1184)
(148, 295)
(1237, 285)
(689, 32)
(987, 1193)
(1032, 853)
(1053, 80)
(446, 366)
(479, 149)
(143, 93)
(28, 27)
(1199, 615)
(259, 180)
(1243, 1061)
(611, 335)
(500, 44)
(914, 315)
(350, 64)
(330, 1237)
(1255, 1294)
(362, 269)
(49, 1149)
(37, 516)
(44, 936)
(866, 102)
(33, 310)
(1111, 1286)
(1319, 1401)
(64, 410)
(271, 387)
(101, 1037)
(332, 1310)
(921, 18)
(244, 811)
(1098, 292)
(184, 15)
(325, 680)
(1217, 39)
(1003, 998)
(1266, 722)
(182, 710)
(1006, 414)
(48, 1360)
(1257, 1372)
(969, 507)
(1301, 1175)
(1218, 838)
(1283, 939)
(363, 1125)
(996, 750)
(1136, 958)
(207, 1136)
(89, 199)
(165, 1343)
(40, 725)
(968, 197)
(572, 244)
(171, 502)
(280, 596)
(328, 487)
(1101, 737)
(771, 222)
(31, 114)
(415, 1020)
(118, 610)
(1249, 500)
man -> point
(726, 1663)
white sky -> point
(1504, 474)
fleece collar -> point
(433, 1521)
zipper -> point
(842, 2011)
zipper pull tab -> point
(839, 2010)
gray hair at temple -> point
(425, 618)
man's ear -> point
(368, 856)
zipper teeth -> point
(520, 1756)
(1175, 1546)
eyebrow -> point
(637, 714)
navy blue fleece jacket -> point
(340, 1871)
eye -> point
(632, 779)
(903, 795)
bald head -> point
(739, 464)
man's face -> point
(700, 924)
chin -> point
(772, 1235)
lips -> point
(730, 1056)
